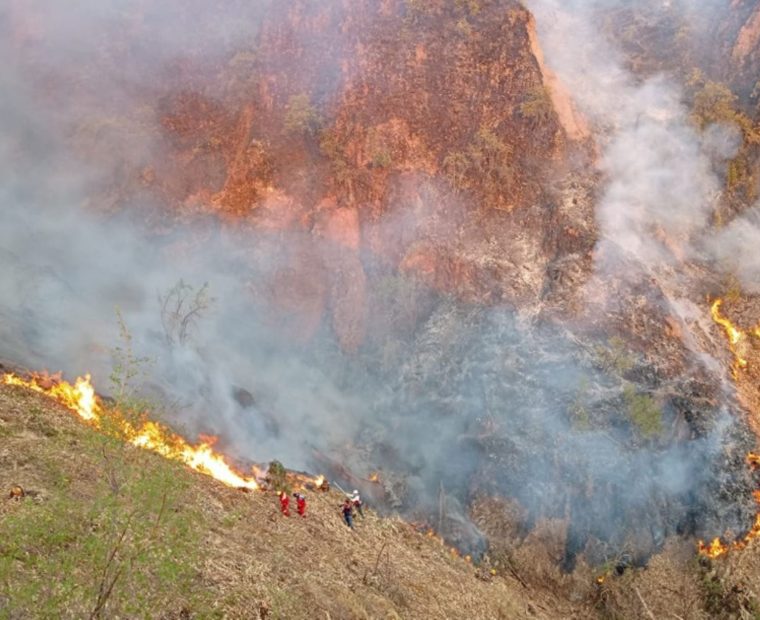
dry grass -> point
(248, 561)
(251, 561)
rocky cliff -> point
(426, 138)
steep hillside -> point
(421, 137)
(106, 522)
(487, 263)
(105, 530)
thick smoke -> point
(660, 188)
(659, 181)
(730, 248)
(472, 401)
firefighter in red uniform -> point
(348, 511)
(284, 504)
(300, 504)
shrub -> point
(181, 308)
(277, 477)
(643, 412)
(301, 116)
(471, 6)
(615, 357)
(538, 105)
(344, 174)
(487, 161)
(382, 159)
(126, 365)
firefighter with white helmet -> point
(356, 500)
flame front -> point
(150, 435)
(80, 397)
(754, 461)
(734, 334)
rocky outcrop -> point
(748, 38)
(395, 136)
(572, 121)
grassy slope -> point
(191, 547)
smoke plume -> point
(470, 400)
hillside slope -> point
(177, 544)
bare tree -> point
(181, 308)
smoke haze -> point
(469, 394)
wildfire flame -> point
(152, 436)
(735, 335)
(80, 397)
(754, 461)
(716, 548)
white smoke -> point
(658, 181)
(734, 248)
(66, 266)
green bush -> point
(538, 105)
(471, 6)
(382, 159)
(301, 117)
(486, 163)
(643, 412)
(615, 357)
(580, 417)
(714, 102)
(344, 174)
(277, 477)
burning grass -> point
(737, 337)
(150, 435)
(213, 552)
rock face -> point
(422, 137)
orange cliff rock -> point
(417, 140)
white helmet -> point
(356, 492)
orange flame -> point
(80, 397)
(753, 460)
(734, 334)
(152, 436)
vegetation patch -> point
(643, 412)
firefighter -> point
(284, 504)
(356, 500)
(300, 504)
(347, 509)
